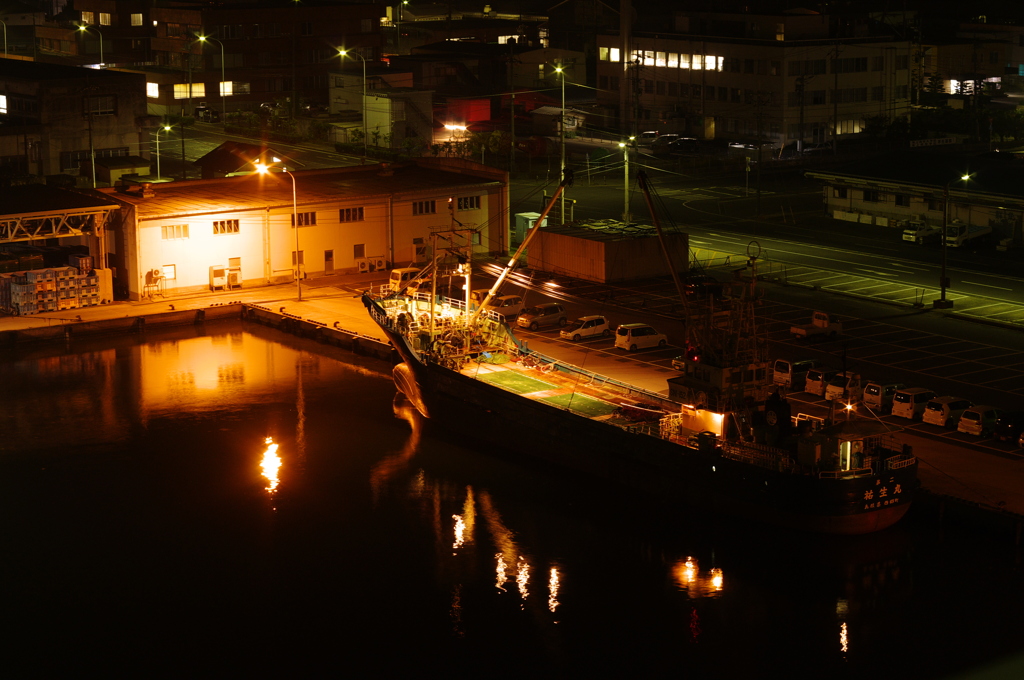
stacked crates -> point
(48, 290)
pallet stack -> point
(50, 290)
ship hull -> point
(674, 473)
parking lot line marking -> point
(985, 285)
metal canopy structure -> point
(54, 224)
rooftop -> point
(331, 185)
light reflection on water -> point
(380, 498)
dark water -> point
(142, 538)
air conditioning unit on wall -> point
(363, 264)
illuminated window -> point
(88, 18)
(469, 203)
(602, 53)
(659, 59)
(136, 20)
(350, 215)
(181, 90)
(306, 219)
(225, 227)
(424, 207)
(153, 90)
(3, 103)
(673, 60)
(613, 54)
(171, 232)
(104, 19)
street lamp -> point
(165, 128)
(223, 82)
(942, 302)
(625, 145)
(561, 139)
(398, 26)
(84, 29)
(345, 53)
(264, 170)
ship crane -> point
(725, 366)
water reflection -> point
(271, 465)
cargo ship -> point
(720, 440)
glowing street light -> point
(223, 83)
(85, 29)
(165, 128)
(345, 53)
(942, 302)
(264, 170)
(561, 139)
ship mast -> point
(725, 364)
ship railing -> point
(846, 474)
(899, 462)
(757, 454)
(598, 380)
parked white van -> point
(978, 420)
(400, 278)
(878, 396)
(845, 387)
(945, 411)
(634, 336)
(818, 380)
(909, 402)
(792, 374)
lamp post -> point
(263, 170)
(85, 29)
(625, 181)
(5, 37)
(398, 26)
(942, 302)
(165, 128)
(223, 83)
(345, 53)
(561, 141)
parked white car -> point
(945, 411)
(634, 336)
(586, 327)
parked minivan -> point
(909, 402)
(818, 380)
(945, 411)
(845, 386)
(878, 396)
(978, 420)
(400, 278)
(545, 314)
(506, 306)
(792, 374)
(634, 336)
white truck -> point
(821, 324)
(958, 235)
(921, 233)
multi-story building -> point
(252, 52)
(781, 78)
(55, 117)
(975, 59)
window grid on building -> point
(469, 203)
(306, 219)
(169, 232)
(424, 207)
(225, 227)
(350, 215)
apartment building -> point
(782, 78)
